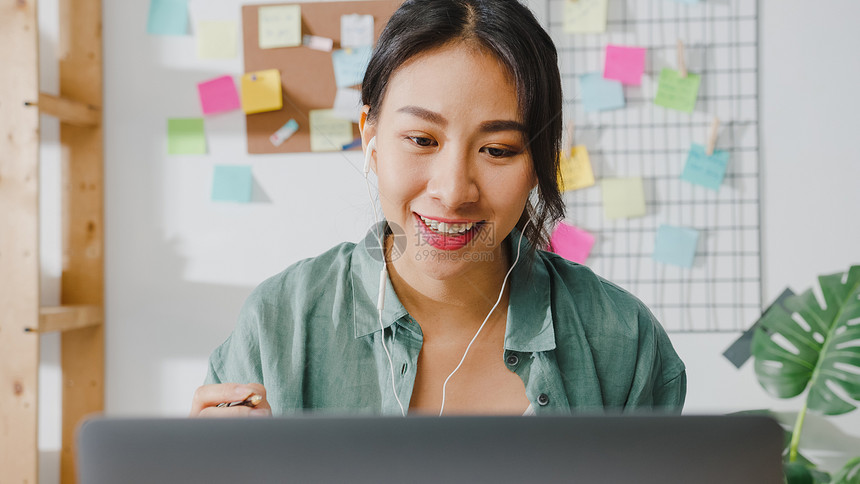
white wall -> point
(178, 267)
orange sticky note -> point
(261, 91)
(575, 170)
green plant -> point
(804, 345)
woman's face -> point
(452, 159)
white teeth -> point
(447, 228)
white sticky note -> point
(329, 132)
(280, 26)
(356, 31)
(316, 42)
(347, 104)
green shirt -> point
(311, 336)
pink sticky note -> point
(571, 242)
(625, 64)
(218, 95)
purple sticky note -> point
(625, 64)
(218, 95)
(571, 242)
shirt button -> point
(543, 399)
(512, 360)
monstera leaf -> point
(850, 474)
(805, 344)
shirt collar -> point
(366, 266)
(529, 325)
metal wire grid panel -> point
(722, 291)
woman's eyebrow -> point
(424, 114)
(486, 126)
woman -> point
(461, 124)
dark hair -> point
(508, 30)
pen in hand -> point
(251, 400)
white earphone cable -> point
(501, 293)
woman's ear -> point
(368, 132)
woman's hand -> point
(207, 398)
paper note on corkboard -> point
(307, 75)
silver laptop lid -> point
(595, 449)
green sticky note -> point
(186, 136)
(623, 197)
(216, 39)
(232, 184)
(167, 17)
(676, 92)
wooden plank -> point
(67, 318)
(80, 48)
(69, 111)
(19, 242)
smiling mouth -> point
(449, 229)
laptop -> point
(586, 449)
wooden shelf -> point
(68, 111)
(66, 318)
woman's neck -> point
(470, 294)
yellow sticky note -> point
(623, 197)
(585, 16)
(329, 132)
(216, 39)
(575, 170)
(261, 91)
(279, 26)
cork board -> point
(307, 75)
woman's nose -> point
(452, 178)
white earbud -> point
(371, 147)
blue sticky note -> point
(599, 94)
(232, 184)
(676, 245)
(704, 170)
(167, 17)
(350, 64)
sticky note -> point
(676, 92)
(279, 26)
(232, 184)
(278, 137)
(262, 91)
(356, 31)
(624, 64)
(167, 17)
(349, 65)
(572, 243)
(347, 104)
(585, 16)
(329, 132)
(676, 245)
(599, 94)
(623, 197)
(216, 39)
(218, 95)
(186, 136)
(316, 42)
(575, 170)
(704, 170)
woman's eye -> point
(499, 152)
(421, 141)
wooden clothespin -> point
(712, 137)
(682, 62)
